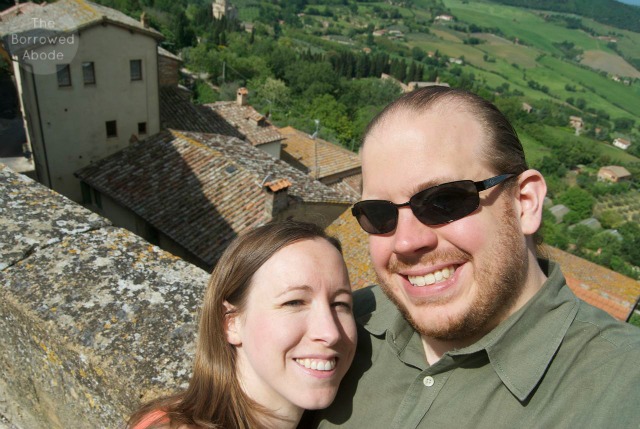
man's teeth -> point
(317, 364)
(431, 278)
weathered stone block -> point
(92, 318)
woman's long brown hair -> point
(214, 398)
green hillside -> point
(318, 63)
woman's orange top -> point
(154, 417)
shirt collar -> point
(520, 349)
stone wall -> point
(93, 319)
(168, 71)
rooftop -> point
(321, 158)
(251, 124)
(614, 293)
(618, 170)
(179, 113)
(355, 248)
(70, 16)
(199, 189)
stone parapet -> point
(93, 319)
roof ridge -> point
(84, 5)
(193, 141)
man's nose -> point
(412, 236)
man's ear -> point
(232, 326)
(532, 190)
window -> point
(142, 128)
(86, 193)
(88, 73)
(112, 129)
(97, 198)
(64, 75)
(135, 66)
(90, 195)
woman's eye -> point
(342, 304)
(294, 303)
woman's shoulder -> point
(155, 419)
(158, 419)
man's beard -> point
(500, 279)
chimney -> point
(144, 20)
(242, 95)
(277, 196)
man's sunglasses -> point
(433, 206)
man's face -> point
(452, 281)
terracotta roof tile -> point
(355, 248)
(277, 185)
(346, 190)
(614, 292)
(72, 15)
(251, 124)
(201, 190)
(178, 113)
(594, 298)
(331, 159)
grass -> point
(626, 205)
(533, 149)
(621, 100)
(616, 155)
(525, 24)
(601, 93)
(611, 63)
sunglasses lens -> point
(445, 203)
(376, 217)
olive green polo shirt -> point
(556, 363)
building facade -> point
(90, 99)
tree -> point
(610, 219)
(311, 79)
(623, 124)
(277, 30)
(332, 114)
(553, 234)
(579, 201)
(581, 235)
(630, 247)
(275, 92)
(377, 92)
(418, 53)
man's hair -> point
(503, 151)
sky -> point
(633, 2)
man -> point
(468, 328)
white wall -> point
(272, 148)
(73, 118)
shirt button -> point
(428, 381)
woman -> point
(276, 335)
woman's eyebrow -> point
(304, 288)
(343, 290)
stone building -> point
(192, 193)
(86, 89)
(223, 8)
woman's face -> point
(296, 337)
